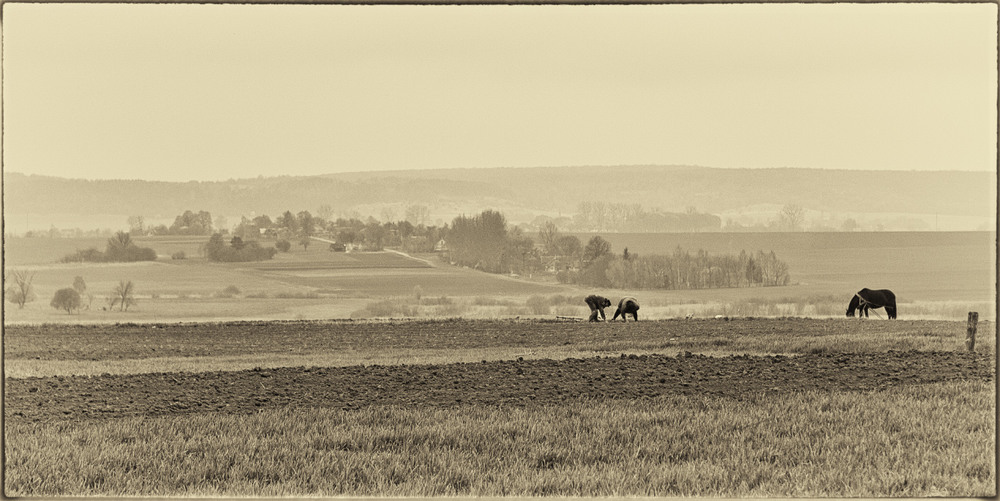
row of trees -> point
(71, 298)
(21, 291)
(487, 243)
(188, 223)
(682, 270)
(620, 217)
(371, 234)
(236, 250)
(119, 249)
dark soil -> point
(503, 383)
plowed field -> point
(506, 383)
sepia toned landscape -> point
(352, 250)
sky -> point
(213, 92)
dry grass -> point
(933, 440)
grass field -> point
(922, 441)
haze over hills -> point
(911, 200)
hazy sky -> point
(207, 92)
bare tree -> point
(325, 212)
(136, 225)
(123, 295)
(120, 241)
(548, 235)
(417, 214)
(388, 214)
(20, 291)
(792, 216)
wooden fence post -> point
(970, 333)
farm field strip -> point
(150, 340)
(499, 383)
(857, 408)
(53, 350)
(23, 368)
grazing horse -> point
(867, 299)
(597, 305)
(628, 305)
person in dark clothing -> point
(628, 305)
(597, 305)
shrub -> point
(79, 285)
(438, 301)
(231, 290)
(283, 245)
(450, 310)
(567, 277)
(296, 295)
(385, 308)
(178, 255)
(66, 299)
(217, 250)
(538, 305)
(91, 255)
(117, 252)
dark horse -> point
(866, 299)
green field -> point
(934, 275)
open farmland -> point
(310, 283)
(934, 275)
(756, 407)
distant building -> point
(441, 246)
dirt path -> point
(504, 383)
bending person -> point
(597, 305)
(628, 305)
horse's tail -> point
(890, 304)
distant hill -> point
(675, 188)
(521, 192)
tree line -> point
(485, 242)
(119, 249)
(682, 270)
(632, 218)
(594, 264)
(21, 291)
